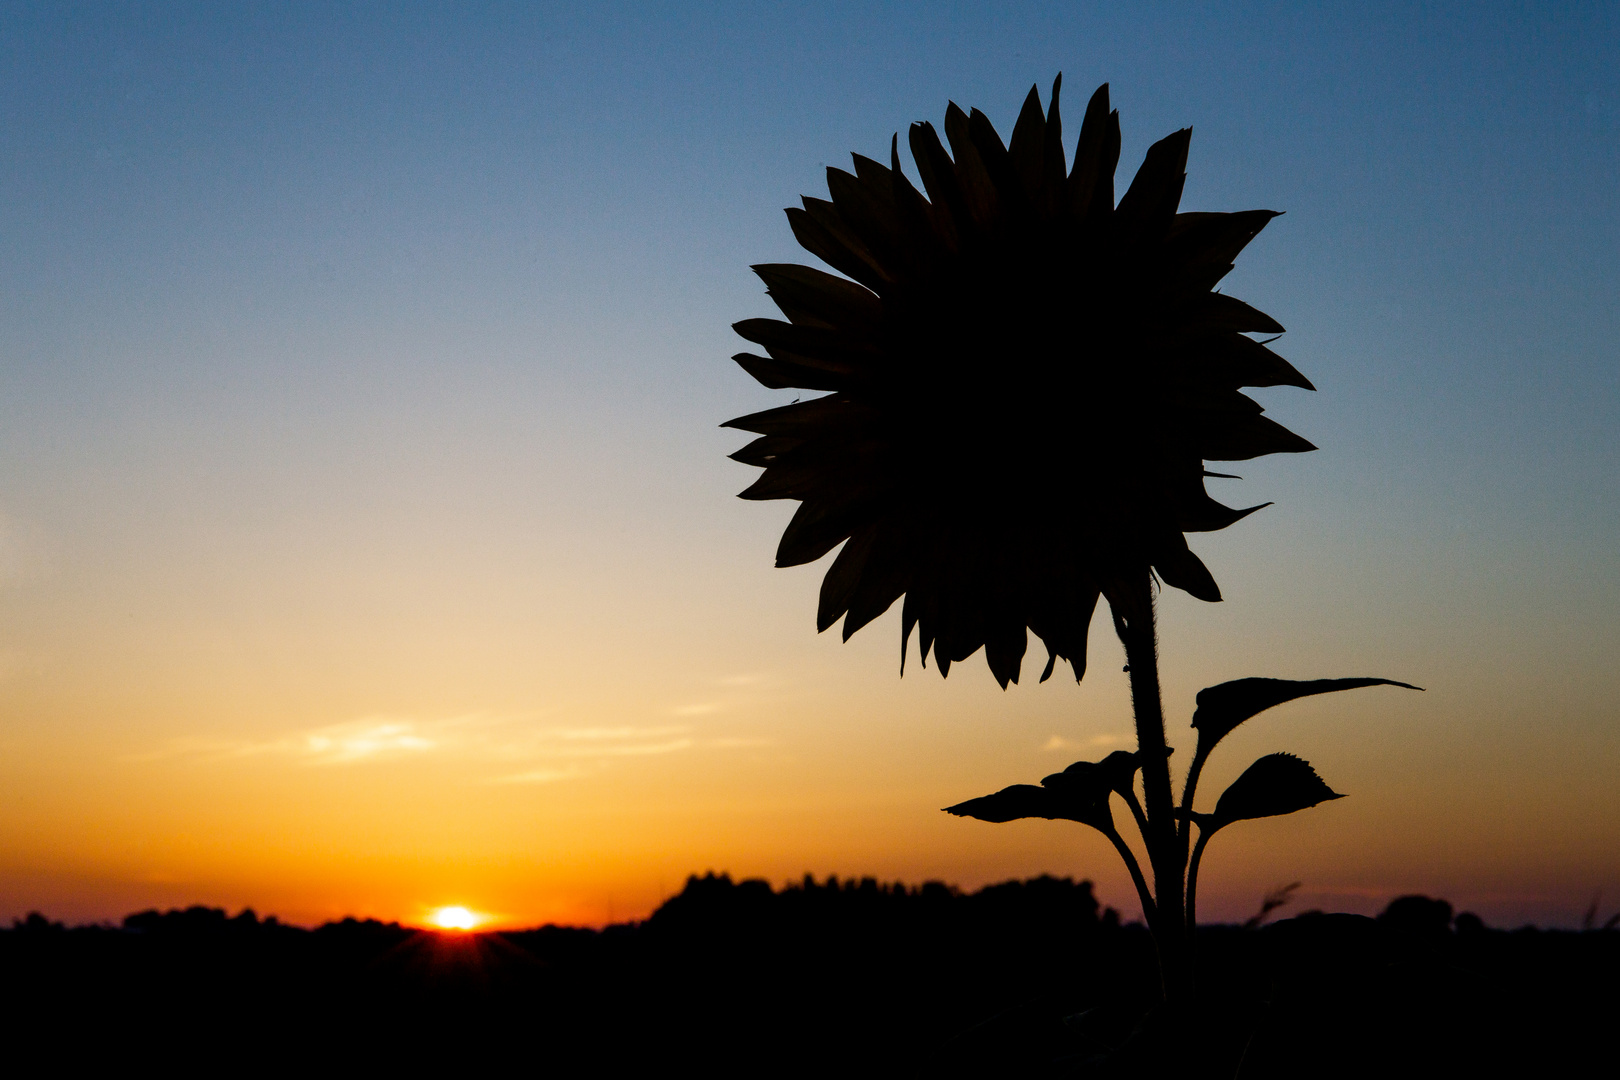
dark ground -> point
(834, 978)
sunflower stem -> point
(1149, 909)
(1134, 622)
(1204, 834)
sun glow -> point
(455, 918)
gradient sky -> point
(368, 543)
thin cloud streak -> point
(475, 737)
(1058, 742)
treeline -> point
(848, 977)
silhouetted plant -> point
(1024, 381)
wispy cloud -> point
(553, 752)
(539, 776)
(733, 742)
(742, 680)
(1058, 742)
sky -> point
(368, 542)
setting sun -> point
(455, 918)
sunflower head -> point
(1024, 380)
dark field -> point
(832, 978)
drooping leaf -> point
(1276, 784)
(1008, 804)
(1222, 708)
(1119, 769)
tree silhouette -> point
(1025, 380)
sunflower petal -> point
(998, 164)
(1230, 359)
(1217, 311)
(820, 241)
(1200, 239)
(843, 576)
(1237, 437)
(1004, 652)
(1053, 168)
(978, 192)
(1093, 175)
(908, 621)
(1026, 151)
(929, 230)
(816, 417)
(809, 344)
(766, 449)
(1181, 569)
(882, 584)
(871, 215)
(1207, 515)
(780, 372)
(939, 178)
(1153, 196)
(819, 526)
(836, 301)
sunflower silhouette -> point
(1025, 382)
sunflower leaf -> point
(1009, 804)
(1223, 707)
(1276, 784)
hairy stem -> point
(1192, 876)
(1136, 812)
(1133, 620)
(1150, 910)
(1184, 822)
